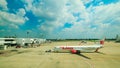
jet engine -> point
(75, 51)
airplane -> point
(78, 49)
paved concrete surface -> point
(109, 57)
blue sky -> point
(60, 19)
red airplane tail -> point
(101, 45)
(101, 42)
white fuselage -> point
(89, 48)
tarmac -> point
(108, 57)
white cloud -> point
(57, 13)
(52, 11)
(106, 19)
(107, 14)
(21, 12)
(3, 4)
(101, 3)
(86, 1)
(28, 4)
(12, 20)
(95, 21)
(14, 26)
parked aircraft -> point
(78, 49)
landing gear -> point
(78, 52)
(48, 51)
